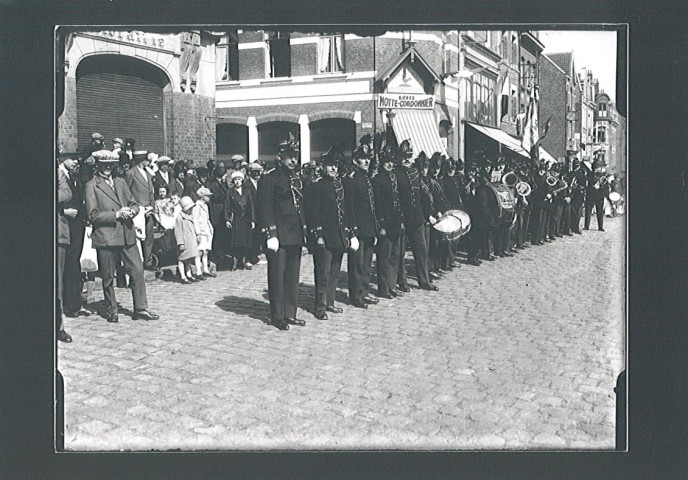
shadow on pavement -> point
(246, 306)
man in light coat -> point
(110, 208)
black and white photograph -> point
(361, 238)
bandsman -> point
(281, 219)
(360, 198)
(332, 232)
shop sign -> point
(142, 38)
(404, 101)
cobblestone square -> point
(520, 353)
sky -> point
(592, 50)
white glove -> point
(354, 244)
(432, 219)
(273, 244)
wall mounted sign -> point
(141, 38)
(415, 102)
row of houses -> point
(200, 94)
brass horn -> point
(523, 189)
(551, 180)
(510, 179)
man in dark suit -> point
(65, 214)
(163, 177)
(72, 285)
(110, 208)
(360, 198)
(140, 184)
(330, 225)
(281, 218)
(255, 171)
(414, 223)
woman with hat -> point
(187, 243)
(204, 229)
(240, 219)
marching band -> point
(376, 203)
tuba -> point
(551, 180)
(510, 179)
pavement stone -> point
(517, 354)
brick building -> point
(333, 87)
(157, 88)
(199, 94)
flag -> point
(530, 130)
(505, 97)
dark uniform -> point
(330, 219)
(360, 198)
(386, 188)
(520, 234)
(596, 191)
(280, 215)
(454, 189)
(538, 199)
(415, 219)
(577, 181)
(484, 213)
(439, 250)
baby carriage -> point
(164, 248)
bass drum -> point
(506, 202)
(453, 224)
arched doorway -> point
(120, 96)
(232, 139)
(270, 135)
(327, 132)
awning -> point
(501, 137)
(548, 158)
(419, 127)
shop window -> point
(227, 58)
(279, 50)
(330, 54)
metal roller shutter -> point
(119, 99)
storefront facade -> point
(330, 88)
(156, 88)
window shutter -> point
(118, 105)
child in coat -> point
(185, 234)
(204, 229)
